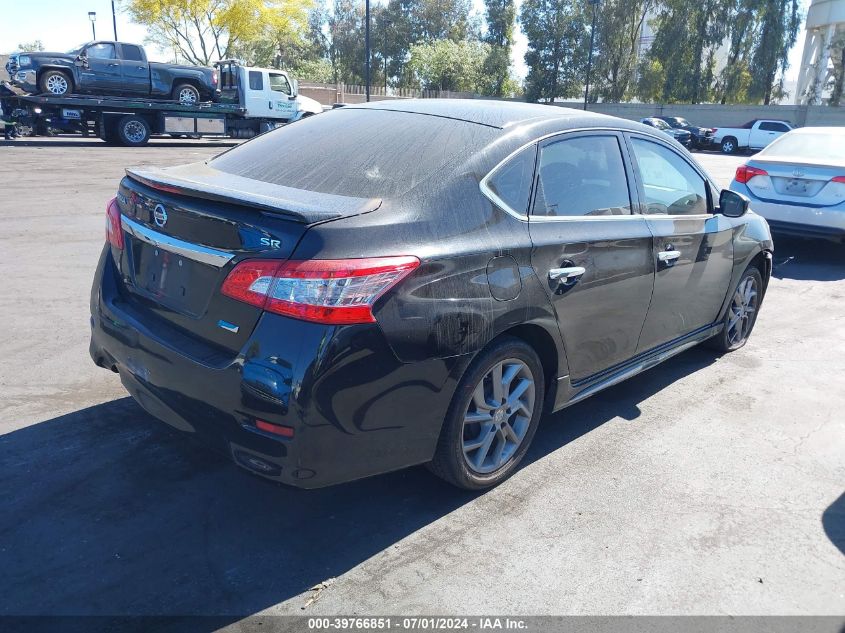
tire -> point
(56, 83)
(133, 131)
(741, 313)
(458, 457)
(729, 145)
(186, 94)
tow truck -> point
(251, 101)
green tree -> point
(202, 31)
(735, 78)
(779, 23)
(31, 47)
(557, 43)
(618, 30)
(448, 65)
(500, 16)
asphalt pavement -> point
(708, 485)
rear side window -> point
(101, 51)
(359, 152)
(279, 83)
(773, 127)
(582, 176)
(132, 52)
(256, 80)
(511, 182)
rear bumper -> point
(354, 408)
(827, 222)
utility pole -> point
(367, 47)
(595, 4)
(92, 15)
(114, 20)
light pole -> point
(114, 20)
(595, 4)
(92, 15)
(367, 47)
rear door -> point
(256, 99)
(103, 72)
(135, 69)
(590, 251)
(693, 248)
(765, 132)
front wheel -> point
(729, 145)
(55, 83)
(492, 418)
(741, 314)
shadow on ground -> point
(833, 521)
(109, 512)
(808, 260)
(157, 143)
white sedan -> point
(798, 183)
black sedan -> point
(415, 282)
(702, 137)
(682, 136)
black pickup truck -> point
(115, 68)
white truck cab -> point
(268, 95)
(754, 135)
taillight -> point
(838, 179)
(114, 231)
(332, 291)
(744, 173)
(213, 77)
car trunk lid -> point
(799, 183)
(184, 230)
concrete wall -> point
(710, 115)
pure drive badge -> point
(160, 215)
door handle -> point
(141, 67)
(113, 64)
(568, 275)
(667, 257)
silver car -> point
(798, 183)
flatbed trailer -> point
(131, 121)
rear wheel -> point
(492, 418)
(55, 83)
(186, 94)
(741, 314)
(729, 145)
(133, 131)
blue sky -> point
(64, 24)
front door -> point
(592, 254)
(103, 72)
(693, 249)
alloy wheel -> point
(742, 310)
(134, 132)
(498, 415)
(187, 96)
(57, 85)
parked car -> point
(798, 183)
(754, 135)
(701, 136)
(115, 68)
(324, 307)
(682, 136)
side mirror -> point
(82, 59)
(294, 84)
(732, 204)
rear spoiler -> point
(202, 181)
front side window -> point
(256, 81)
(102, 50)
(279, 83)
(672, 186)
(512, 181)
(582, 176)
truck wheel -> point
(729, 145)
(56, 83)
(186, 94)
(133, 131)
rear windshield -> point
(358, 152)
(816, 146)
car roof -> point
(499, 114)
(838, 131)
